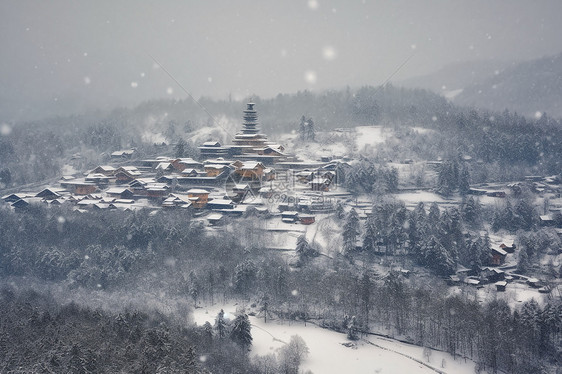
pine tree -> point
(464, 181)
(220, 325)
(340, 210)
(310, 130)
(352, 329)
(369, 239)
(350, 232)
(180, 148)
(302, 129)
(303, 250)
(241, 331)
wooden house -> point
(180, 164)
(198, 197)
(306, 219)
(267, 191)
(164, 167)
(81, 188)
(123, 154)
(500, 286)
(269, 174)
(270, 151)
(290, 216)
(106, 170)
(319, 184)
(220, 204)
(20, 205)
(214, 170)
(215, 219)
(176, 201)
(156, 190)
(98, 178)
(126, 174)
(477, 191)
(213, 149)
(48, 194)
(508, 249)
(493, 274)
(120, 193)
(189, 173)
(547, 220)
(12, 198)
(496, 194)
(251, 170)
(498, 256)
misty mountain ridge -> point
(528, 87)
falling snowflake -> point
(283, 53)
(202, 358)
(142, 75)
(210, 79)
(294, 292)
(87, 80)
(329, 53)
(169, 90)
(434, 118)
(61, 219)
(313, 4)
(134, 84)
(443, 87)
(538, 114)
(86, 257)
(85, 54)
(5, 129)
(413, 46)
(310, 77)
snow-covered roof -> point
(197, 191)
(163, 166)
(499, 251)
(117, 190)
(215, 166)
(106, 168)
(212, 144)
(250, 165)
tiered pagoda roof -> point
(250, 138)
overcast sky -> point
(68, 56)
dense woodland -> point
(169, 253)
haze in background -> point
(63, 57)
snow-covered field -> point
(369, 136)
(329, 355)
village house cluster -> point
(251, 172)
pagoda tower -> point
(249, 140)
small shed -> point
(500, 286)
(215, 219)
(306, 219)
(290, 216)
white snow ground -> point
(328, 355)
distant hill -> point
(526, 88)
(456, 76)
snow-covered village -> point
(352, 225)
